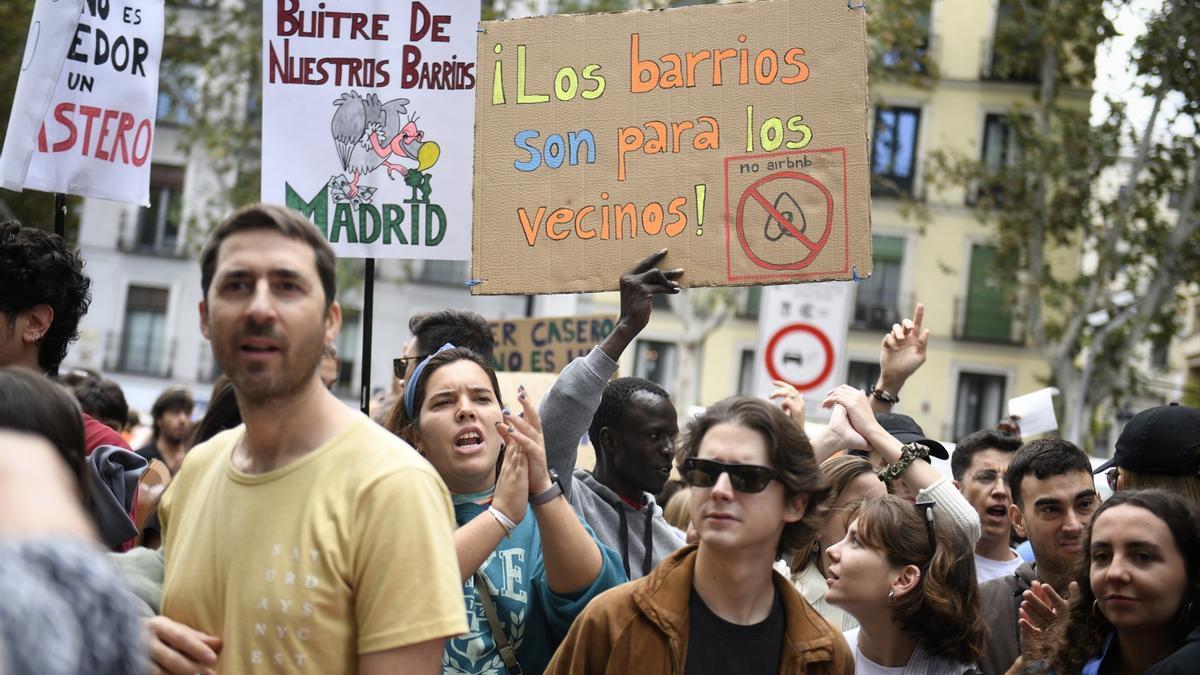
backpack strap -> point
(502, 644)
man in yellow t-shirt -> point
(309, 539)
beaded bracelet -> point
(909, 452)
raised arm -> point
(476, 540)
(931, 486)
(568, 407)
(902, 352)
(572, 558)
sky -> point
(1113, 75)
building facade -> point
(143, 328)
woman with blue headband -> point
(525, 578)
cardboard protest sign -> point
(368, 121)
(735, 135)
(547, 344)
(83, 116)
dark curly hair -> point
(943, 613)
(1080, 638)
(612, 407)
(789, 452)
(37, 268)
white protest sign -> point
(1035, 411)
(802, 340)
(83, 115)
(368, 122)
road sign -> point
(801, 355)
(802, 337)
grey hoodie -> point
(566, 414)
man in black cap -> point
(1158, 448)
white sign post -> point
(802, 340)
(82, 120)
(369, 122)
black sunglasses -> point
(745, 478)
(400, 364)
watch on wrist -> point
(549, 493)
(883, 395)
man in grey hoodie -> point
(634, 438)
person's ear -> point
(795, 508)
(37, 322)
(606, 441)
(204, 320)
(1018, 520)
(957, 485)
(906, 581)
(333, 322)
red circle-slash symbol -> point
(826, 348)
(754, 192)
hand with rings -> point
(793, 402)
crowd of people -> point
(454, 531)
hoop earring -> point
(1096, 609)
(891, 597)
(816, 546)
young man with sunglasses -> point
(718, 606)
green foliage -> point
(223, 42)
(900, 41)
(1045, 195)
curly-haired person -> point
(718, 606)
(43, 295)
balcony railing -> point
(137, 356)
(979, 321)
(875, 313)
(874, 317)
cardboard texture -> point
(546, 344)
(537, 385)
(735, 135)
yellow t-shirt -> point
(346, 551)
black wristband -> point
(884, 396)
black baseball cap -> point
(906, 430)
(1164, 440)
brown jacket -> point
(642, 627)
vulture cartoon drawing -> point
(369, 134)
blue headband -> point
(410, 387)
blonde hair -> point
(1187, 487)
(678, 511)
